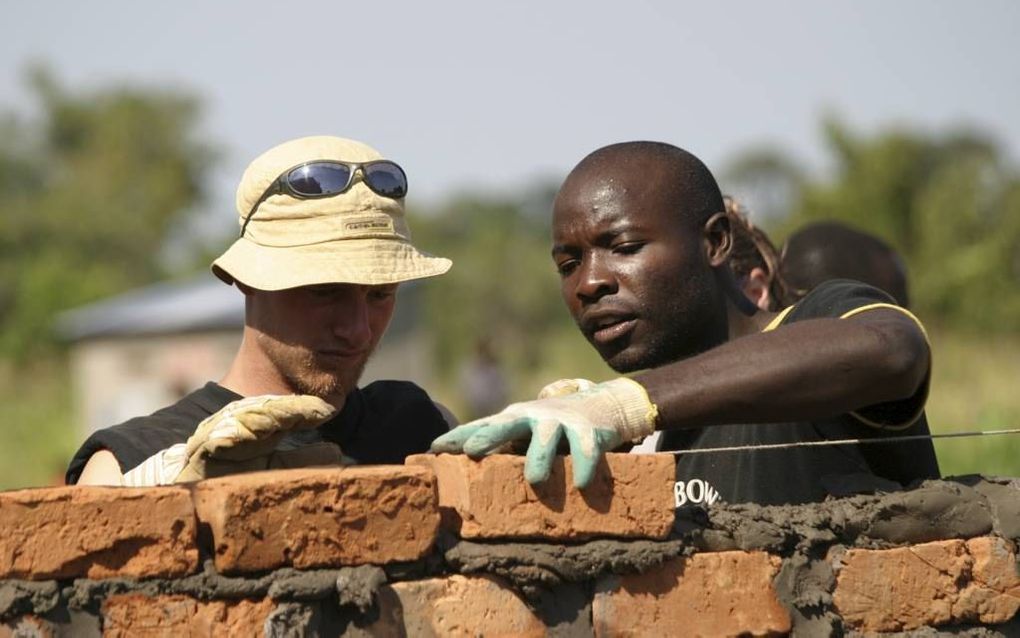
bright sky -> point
(472, 94)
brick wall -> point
(446, 546)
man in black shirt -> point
(642, 243)
(322, 248)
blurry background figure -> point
(483, 382)
(754, 259)
(832, 250)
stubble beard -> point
(305, 372)
(682, 330)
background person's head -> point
(641, 242)
(754, 259)
(324, 244)
(833, 250)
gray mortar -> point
(532, 567)
(19, 597)
(1002, 496)
(565, 610)
(804, 585)
(312, 584)
(298, 620)
(936, 510)
(357, 586)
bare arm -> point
(809, 369)
(102, 468)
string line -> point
(884, 439)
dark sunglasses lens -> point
(386, 179)
(319, 179)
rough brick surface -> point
(630, 497)
(97, 532)
(319, 517)
(902, 588)
(454, 606)
(993, 594)
(716, 594)
(131, 615)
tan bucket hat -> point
(355, 237)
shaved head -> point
(640, 239)
(682, 178)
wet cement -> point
(936, 510)
(534, 567)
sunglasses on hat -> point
(326, 178)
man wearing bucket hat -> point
(324, 243)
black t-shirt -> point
(383, 422)
(807, 474)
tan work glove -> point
(563, 387)
(593, 420)
(241, 437)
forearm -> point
(810, 369)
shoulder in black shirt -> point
(384, 422)
(799, 475)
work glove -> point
(242, 437)
(595, 419)
(565, 386)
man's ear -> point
(718, 239)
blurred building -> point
(142, 350)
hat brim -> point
(369, 261)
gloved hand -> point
(241, 437)
(594, 420)
(565, 386)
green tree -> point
(502, 285)
(91, 190)
(948, 202)
(765, 179)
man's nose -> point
(351, 321)
(594, 279)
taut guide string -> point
(884, 439)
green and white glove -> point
(241, 437)
(595, 419)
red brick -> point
(715, 594)
(903, 588)
(631, 496)
(454, 606)
(319, 517)
(131, 615)
(993, 594)
(97, 532)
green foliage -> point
(91, 191)
(502, 286)
(38, 435)
(949, 203)
(973, 387)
